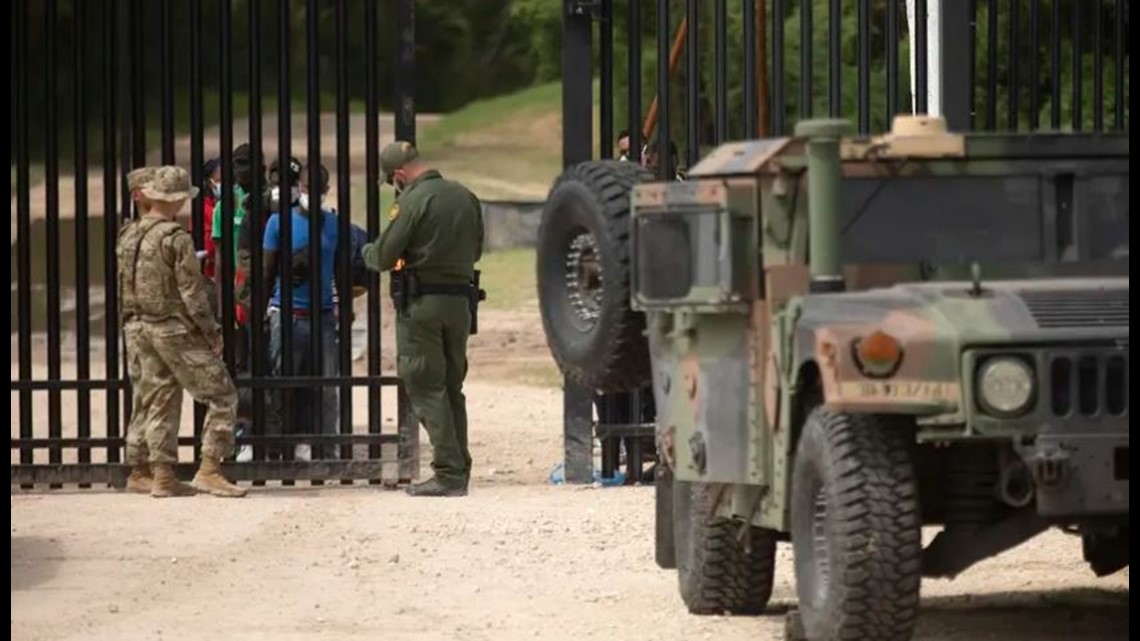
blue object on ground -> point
(558, 477)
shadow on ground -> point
(34, 561)
(1087, 614)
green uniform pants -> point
(431, 340)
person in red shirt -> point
(211, 191)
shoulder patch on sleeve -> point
(393, 211)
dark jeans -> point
(299, 406)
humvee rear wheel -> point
(856, 529)
(717, 571)
(584, 278)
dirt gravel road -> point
(517, 559)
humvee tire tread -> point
(717, 572)
(614, 355)
(875, 529)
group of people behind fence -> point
(301, 409)
(174, 340)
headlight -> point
(1005, 385)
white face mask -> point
(275, 196)
(304, 201)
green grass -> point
(508, 276)
(492, 112)
(503, 148)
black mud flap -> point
(665, 543)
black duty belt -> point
(405, 287)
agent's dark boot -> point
(434, 487)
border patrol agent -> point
(433, 239)
(176, 340)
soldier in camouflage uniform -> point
(140, 479)
(434, 234)
(176, 339)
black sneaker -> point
(433, 487)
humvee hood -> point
(1002, 312)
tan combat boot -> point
(140, 481)
(209, 479)
(165, 484)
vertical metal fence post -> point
(82, 229)
(24, 225)
(606, 81)
(407, 424)
(372, 198)
(51, 211)
(807, 72)
(344, 213)
(720, 48)
(692, 86)
(835, 58)
(406, 70)
(634, 80)
(256, 218)
(664, 160)
(112, 71)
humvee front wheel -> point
(717, 571)
(583, 266)
(856, 529)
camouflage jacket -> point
(160, 277)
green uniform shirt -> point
(436, 226)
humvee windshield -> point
(1026, 205)
(1035, 206)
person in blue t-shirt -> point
(292, 261)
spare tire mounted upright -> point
(584, 277)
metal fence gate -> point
(985, 65)
(100, 87)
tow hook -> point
(1049, 467)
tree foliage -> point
(471, 49)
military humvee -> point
(851, 338)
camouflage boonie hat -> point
(140, 177)
(396, 155)
(170, 184)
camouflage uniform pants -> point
(173, 357)
(137, 452)
(431, 341)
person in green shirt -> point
(243, 176)
(435, 234)
(244, 172)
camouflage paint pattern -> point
(734, 359)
